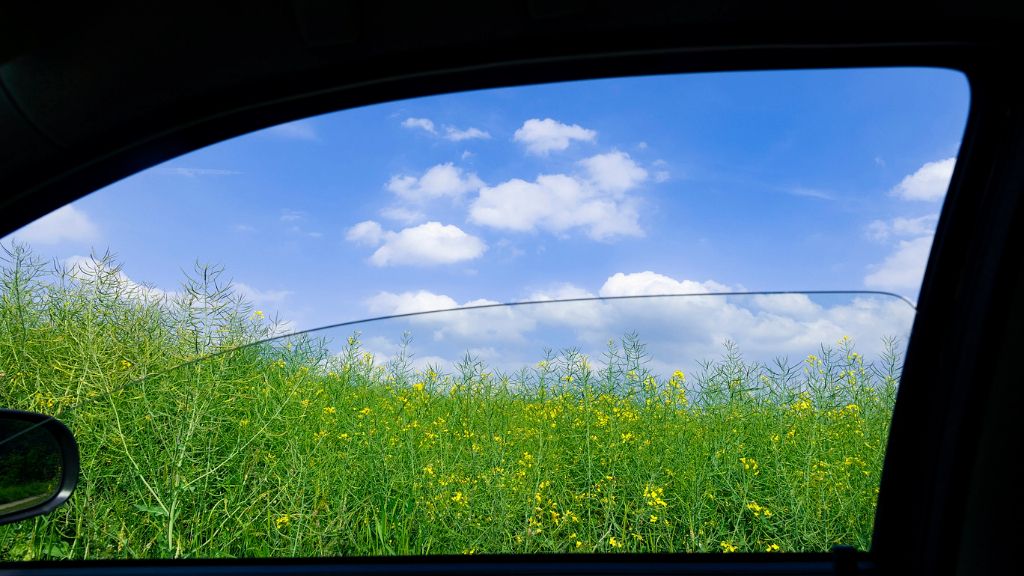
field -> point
(283, 448)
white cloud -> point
(588, 315)
(561, 292)
(556, 203)
(922, 225)
(66, 224)
(797, 306)
(595, 201)
(441, 181)
(420, 123)
(260, 297)
(501, 323)
(662, 176)
(929, 183)
(386, 303)
(542, 136)
(450, 132)
(613, 172)
(904, 268)
(678, 331)
(244, 228)
(299, 130)
(367, 232)
(427, 244)
(292, 215)
(455, 135)
(650, 283)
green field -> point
(286, 449)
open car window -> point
(647, 400)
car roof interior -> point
(90, 94)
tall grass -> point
(283, 448)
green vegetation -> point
(285, 449)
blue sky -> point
(743, 181)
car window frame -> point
(957, 333)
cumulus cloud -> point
(595, 200)
(367, 232)
(441, 181)
(66, 224)
(883, 230)
(613, 172)
(300, 130)
(455, 135)
(678, 331)
(386, 303)
(544, 136)
(497, 324)
(428, 244)
(420, 123)
(903, 270)
(651, 283)
(928, 183)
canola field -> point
(198, 443)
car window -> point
(714, 278)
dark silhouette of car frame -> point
(91, 93)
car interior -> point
(93, 93)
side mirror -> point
(38, 464)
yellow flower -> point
(654, 519)
(365, 411)
(418, 386)
(243, 422)
(283, 520)
(772, 548)
(654, 497)
(458, 498)
(615, 542)
(727, 546)
(126, 364)
(750, 465)
(258, 314)
(329, 410)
